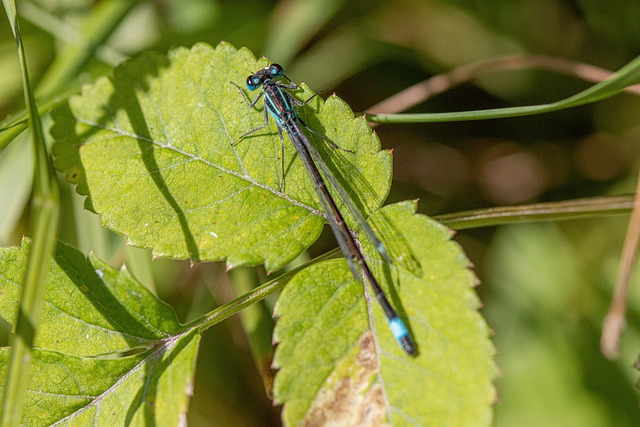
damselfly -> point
(279, 103)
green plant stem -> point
(261, 292)
(258, 324)
(44, 227)
(553, 211)
(618, 82)
(14, 125)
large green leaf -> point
(339, 362)
(109, 310)
(93, 316)
(153, 148)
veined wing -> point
(400, 253)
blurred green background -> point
(545, 286)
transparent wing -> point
(400, 253)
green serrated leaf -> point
(92, 317)
(338, 361)
(154, 150)
(151, 388)
(89, 308)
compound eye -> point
(275, 70)
(253, 82)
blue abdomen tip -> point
(398, 328)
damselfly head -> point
(273, 71)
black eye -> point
(253, 82)
(276, 70)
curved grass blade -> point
(623, 78)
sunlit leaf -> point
(93, 316)
(335, 337)
(89, 308)
(154, 150)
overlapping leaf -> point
(92, 317)
(80, 314)
(155, 149)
